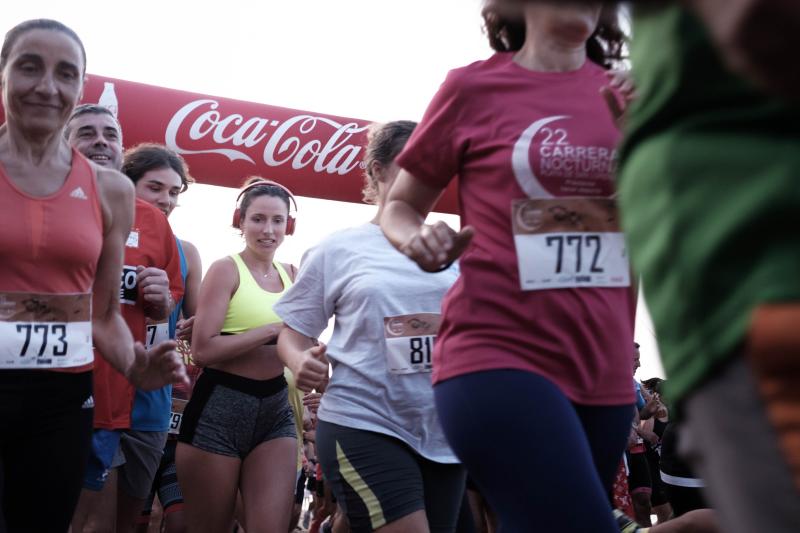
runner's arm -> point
(161, 284)
(403, 222)
(110, 334)
(645, 430)
(194, 275)
(304, 357)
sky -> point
(376, 60)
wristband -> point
(442, 269)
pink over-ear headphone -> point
(237, 213)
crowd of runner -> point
(476, 380)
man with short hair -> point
(123, 461)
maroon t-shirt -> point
(508, 133)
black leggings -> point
(542, 462)
(45, 437)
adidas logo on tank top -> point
(78, 193)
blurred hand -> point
(308, 422)
(159, 366)
(649, 408)
(620, 84)
(437, 245)
(184, 328)
(153, 285)
(312, 370)
(312, 401)
(650, 437)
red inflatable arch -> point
(225, 140)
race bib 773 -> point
(45, 330)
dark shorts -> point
(658, 496)
(231, 415)
(378, 479)
(141, 453)
(639, 473)
(685, 499)
(683, 489)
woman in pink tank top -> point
(63, 226)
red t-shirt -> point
(151, 243)
(498, 127)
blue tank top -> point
(151, 410)
(640, 403)
(176, 313)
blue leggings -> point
(543, 463)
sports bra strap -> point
(287, 281)
(247, 278)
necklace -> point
(254, 270)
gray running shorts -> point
(231, 415)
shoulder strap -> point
(245, 277)
(184, 265)
(285, 278)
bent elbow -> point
(200, 355)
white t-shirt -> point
(360, 278)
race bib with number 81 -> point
(409, 342)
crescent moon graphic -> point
(520, 160)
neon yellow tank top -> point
(251, 306)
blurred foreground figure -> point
(710, 200)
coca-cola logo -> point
(299, 141)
